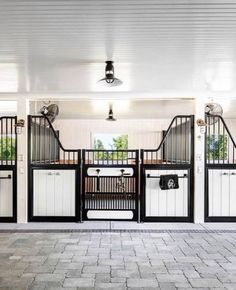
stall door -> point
(6, 193)
(54, 193)
(222, 192)
(166, 203)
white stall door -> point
(54, 193)
(6, 194)
(222, 192)
(172, 202)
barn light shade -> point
(110, 115)
(110, 78)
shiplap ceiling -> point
(161, 47)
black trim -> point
(214, 166)
(190, 167)
(206, 208)
(51, 166)
(135, 168)
(11, 166)
(32, 218)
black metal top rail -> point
(220, 144)
(45, 145)
(110, 157)
(8, 140)
(176, 146)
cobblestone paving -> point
(118, 260)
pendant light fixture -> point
(110, 79)
(110, 114)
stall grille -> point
(8, 169)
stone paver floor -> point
(118, 260)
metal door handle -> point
(50, 173)
(233, 173)
(58, 173)
(225, 173)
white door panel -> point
(172, 202)
(222, 192)
(6, 194)
(54, 192)
(232, 193)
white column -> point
(199, 162)
(22, 112)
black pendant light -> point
(110, 114)
(110, 76)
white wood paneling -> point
(141, 133)
(222, 192)
(232, 185)
(54, 193)
(172, 202)
(6, 194)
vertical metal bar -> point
(1, 141)
(49, 144)
(185, 140)
(214, 138)
(11, 142)
(209, 139)
(219, 141)
(44, 140)
(223, 143)
(6, 149)
(176, 141)
(40, 119)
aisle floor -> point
(167, 257)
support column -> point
(22, 112)
(199, 162)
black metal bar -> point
(5, 177)
(158, 176)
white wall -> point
(231, 123)
(143, 133)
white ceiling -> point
(166, 48)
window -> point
(217, 146)
(110, 142)
(7, 148)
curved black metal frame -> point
(171, 165)
(214, 165)
(57, 165)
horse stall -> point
(8, 169)
(167, 175)
(54, 174)
(110, 184)
(220, 171)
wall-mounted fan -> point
(213, 110)
(51, 112)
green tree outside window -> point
(217, 147)
(7, 148)
(118, 143)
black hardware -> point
(158, 176)
(115, 192)
(5, 177)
